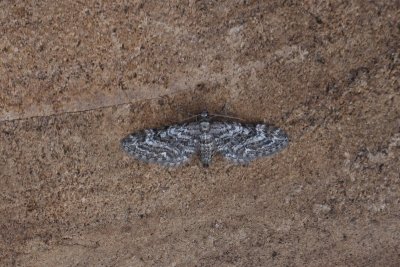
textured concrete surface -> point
(76, 77)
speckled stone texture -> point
(77, 76)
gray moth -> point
(176, 144)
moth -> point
(176, 144)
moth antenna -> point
(190, 118)
(226, 116)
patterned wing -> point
(171, 146)
(242, 143)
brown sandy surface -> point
(77, 76)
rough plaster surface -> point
(77, 76)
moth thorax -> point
(205, 126)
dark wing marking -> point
(171, 146)
(242, 143)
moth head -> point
(204, 115)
